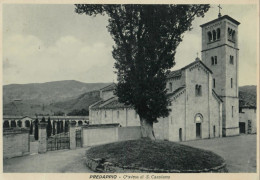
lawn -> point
(156, 155)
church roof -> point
(218, 19)
(179, 71)
(111, 103)
(176, 91)
(216, 95)
(109, 87)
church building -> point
(203, 94)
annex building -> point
(203, 94)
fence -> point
(16, 142)
(108, 133)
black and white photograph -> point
(112, 89)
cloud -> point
(67, 58)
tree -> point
(53, 127)
(58, 127)
(43, 119)
(59, 113)
(146, 38)
(61, 126)
(49, 127)
(36, 130)
(31, 128)
(66, 126)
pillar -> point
(72, 130)
(42, 137)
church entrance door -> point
(242, 127)
(198, 130)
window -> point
(212, 60)
(231, 82)
(198, 90)
(214, 35)
(105, 114)
(218, 34)
(214, 83)
(231, 60)
(117, 114)
(232, 111)
(170, 87)
(209, 36)
(231, 34)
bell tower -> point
(220, 54)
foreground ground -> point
(51, 162)
(239, 153)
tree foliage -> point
(49, 127)
(146, 38)
(36, 130)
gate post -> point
(72, 135)
(42, 137)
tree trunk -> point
(147, 129)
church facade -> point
(203, 94)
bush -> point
(36, 131)
(49, 127)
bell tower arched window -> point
(170, 87)
(218, 34)
(209, 36)
(214, 35)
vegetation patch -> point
(155, 155)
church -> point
(203, 94)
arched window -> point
(209, 36)
(13, 123)
(170, 87)
(214, 83)
(233, 35)
(218, 33)
(214, 35)
(105, 114)
(198, 90)
(6, 124)
(117, 114)
(212, 60)
(80, 123)
(198, 118)
(231, 82)
(19, 123)
(216, 60)
(27, 123)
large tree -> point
(146, 38)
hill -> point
(48, 92)
(41, 98)
(81, 102)
(247, 96)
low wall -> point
(129, 133)
(16, 142)
(108, 133)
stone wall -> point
(108, 133)
(16, 142)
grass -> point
(156, 155)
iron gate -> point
(58, 141)
(78, 138)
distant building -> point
(247, 120)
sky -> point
(43, 43)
